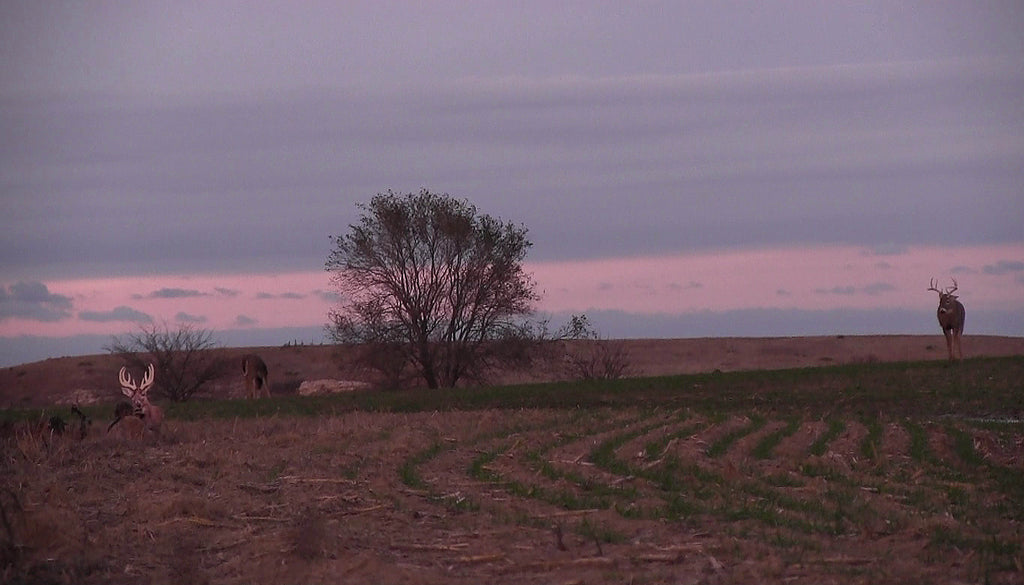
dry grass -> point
(851, 474)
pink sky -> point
(809, 279)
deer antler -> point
(147, 380)
(932, 286)
(127, 384)
(952, 290)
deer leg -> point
(959, 350)
(949, 342)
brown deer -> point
(951, 316)
(254, 370)
(144, 415)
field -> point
(874, 471)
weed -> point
(763, 449)
(869, 445)
(719, 447)
(919, 449)
(409, 473)
(820, 445)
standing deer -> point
(255, 373)
(144, 415)
(951, 316)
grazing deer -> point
(144, 415)
(255, 373)
(951, 316)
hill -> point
(93, 378)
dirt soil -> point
(596, 496)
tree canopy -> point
(433, 284)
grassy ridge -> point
(979, 387)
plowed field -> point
(860, 476)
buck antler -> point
(127, 383)
(932, 285)
(952, 290)
(147, 379)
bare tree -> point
(440, 287)
(587, 355)
(181, 356)
(951, 314)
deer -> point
(951, 316)
(254, 370)
(141, 415)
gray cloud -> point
(837, 290)
(878, 288)
(245, 321)
(173, 293)
(327, 295)
(886, 250)
(770, 157)
(285, 295)
(33, 301)
(1004, 267)
(120, 313)
(872, 289)
(227, 292)
(183, 317)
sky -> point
(684, 169)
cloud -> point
(33, 301)
(886, 250)
(837, 290)
(871, 289)
(175, 293)
(184, 317)
(327, 295)
(121, 313)
(878, 288)
(790, 171)
(226, 292)
(287, 295)
(1003, 267)
(245, 321)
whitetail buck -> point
(142, 414)
(255, 373)
(951, 316)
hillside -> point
(93, 378)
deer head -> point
(947, 300)
(139, 395)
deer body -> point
(148, 415)
(951, 315)
(254, 370)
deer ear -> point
(127, 391)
